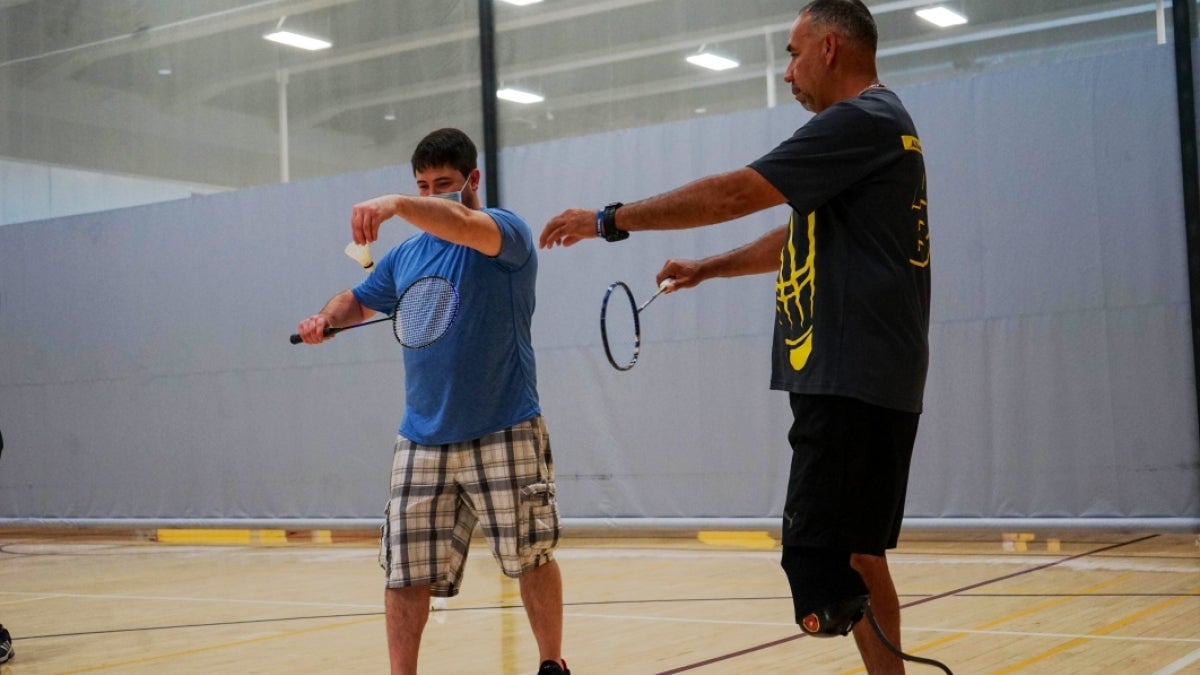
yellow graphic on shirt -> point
(920, 210)
(795, 294)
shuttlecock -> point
(360, 254)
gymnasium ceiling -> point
(190, 90)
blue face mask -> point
(456, 197)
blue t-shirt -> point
(481, 377)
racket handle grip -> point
(296, 339)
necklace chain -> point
(873, 85)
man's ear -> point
(829, 47)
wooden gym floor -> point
(262, 601)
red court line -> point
(930, 598)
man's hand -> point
(683, 274)
(366, 217)
(312, 329)
(569, 227)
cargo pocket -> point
(541, 529)
(385, 550)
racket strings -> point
(620, 327)
(425, 312)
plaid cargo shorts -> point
(504, 481)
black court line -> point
(914, 603)
(1080, 595)
(140, 629)
(594, 603)
(643, 601)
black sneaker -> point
(553, 668)
(6, 650)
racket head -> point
(620, 328)
(425, 312)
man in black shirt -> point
(852, 312)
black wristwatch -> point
(608, 223)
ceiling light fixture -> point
(287, 37)
(293, 39)
(518, 96)
(522, 3)
(942, 17)
(712, 61)
(390, 115)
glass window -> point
(191, 96)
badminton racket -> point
(423, 315)
(621, 325)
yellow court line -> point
(1033, 609)
(202, 536)
(209, 648)
(1103, 630)
(228, 537)
(738, 538)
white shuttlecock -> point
(360, 254)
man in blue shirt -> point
(472, 447)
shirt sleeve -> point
(378, 290)
(516, 239)
(833, 150)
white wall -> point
(145, 370)
(37, 191)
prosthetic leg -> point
(828, 595)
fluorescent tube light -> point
(287, 37)
(522, 3)
(712, 61)
(518, 96)
(942, 17)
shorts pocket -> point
(540, 505)
(385, 549)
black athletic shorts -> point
(849, 474)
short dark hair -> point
(445, 147)
(850, 16)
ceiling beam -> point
(403, 44)
(748, 71)
(70, 60)
(394, 46)
(681, 44)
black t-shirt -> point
(852, 296)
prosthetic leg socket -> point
(829, 597)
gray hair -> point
(850, 17)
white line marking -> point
(1107, 562)
(1173, 668)
(1180, 664)
(914, 629)
(165, 598)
